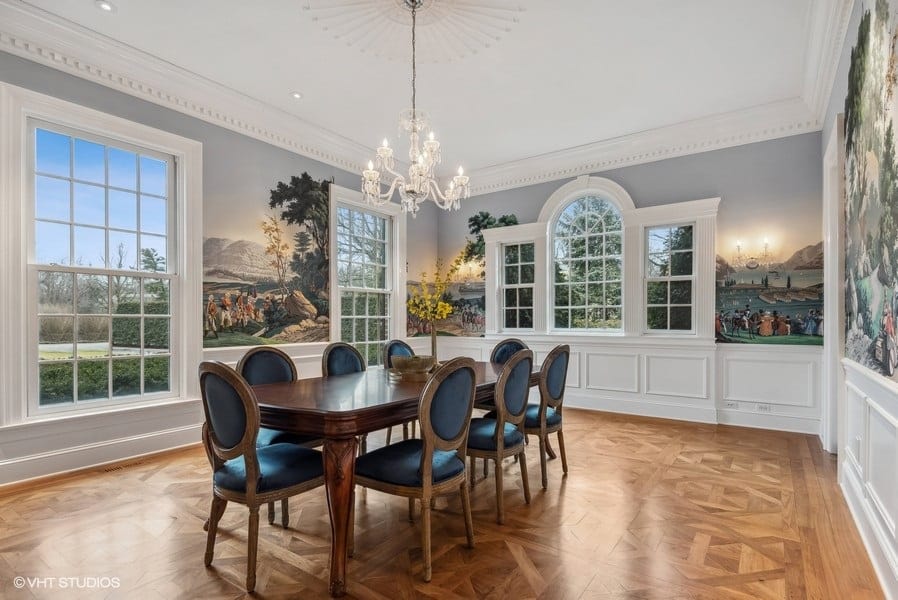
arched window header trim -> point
(585, 186)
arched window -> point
(587, 265)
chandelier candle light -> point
(421, 184)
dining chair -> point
(433, 465)
(340, 358)
(545, 418)
(242, 472)
(500, 434)
(505, 349)
(391, 349)
(266, 364)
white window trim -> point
(667, 278)
(701, 213)
(503, 286)
(17, 107)
(341, 196)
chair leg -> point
(218, 508)
(472, 474)
(271, 513)
(500, 505)
(363, 444)
(549, 450)
(425, 536)
(252, 541)
(561, 449)
(525, 477)
(466, 507)
(389, 434)
(411, 510)
(542, 461)
(414, 426)
(485, 463)
(285, 513)
(405, 431)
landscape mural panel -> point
(871, 189)
(266, 269)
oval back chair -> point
(340, 358)
(545, 418)
(505, 349)
(433, 465)
(391, 349)
(242, 472)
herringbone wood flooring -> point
(651, 509)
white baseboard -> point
(642, 407)
(792, 423)
(89, 455)
(875, 540)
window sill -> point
(102, 415)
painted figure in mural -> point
(765, 327)
(211, 310)
(226, 317)
(810, 323)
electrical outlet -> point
(764, 408)
(731, 404)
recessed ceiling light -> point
(297, 95)
(105, 6)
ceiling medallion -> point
(453, 29)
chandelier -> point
(421, 184)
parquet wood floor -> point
(651, 509)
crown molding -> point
(760, 123)
(44, 38)
(827, 29)
(41, 37)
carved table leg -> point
(339, 478)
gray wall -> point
(234, 166)
(836, 103)
(784, 173)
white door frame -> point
(833, 289)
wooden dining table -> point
(338, 409)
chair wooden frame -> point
(507, 341)
(218, 454)
(294, 374)
(431, 441)
(546, 401)
(501, 451)
(388, 364)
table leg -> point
(339, 479)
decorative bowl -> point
(413, 368)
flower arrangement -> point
(426, 298)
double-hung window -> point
(102, 257)
(518, 276)
(364, 254)
(670, 278)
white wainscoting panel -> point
(613, 372)
(786, 382)
(680, 376)
(882, 473)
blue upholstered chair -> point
(340, 358)
(433, 465)
(242, 472)
(506, 349)
(500, 434)
(545, 418)
(391, 349)
(266, 364)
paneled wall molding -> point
(29, 32)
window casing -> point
(103, 269)
(669, 278)
(364, 255)
(518, 277)
(587, 261)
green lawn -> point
(235, 338)
(780, 340)
(58, 355)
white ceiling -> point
(563, 75)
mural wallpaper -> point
(770, 272)
(467, 292)
(270, 285)
(871, 189)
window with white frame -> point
(101, 267)
(587, 249)
(669, 278)
(518, 277)
(364, 278)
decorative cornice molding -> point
(44, 38)
(827, 29)
(760, 123)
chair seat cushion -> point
(269, 437)
(531, 419)
(280, 465)
(482, 431)
(400, 464)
